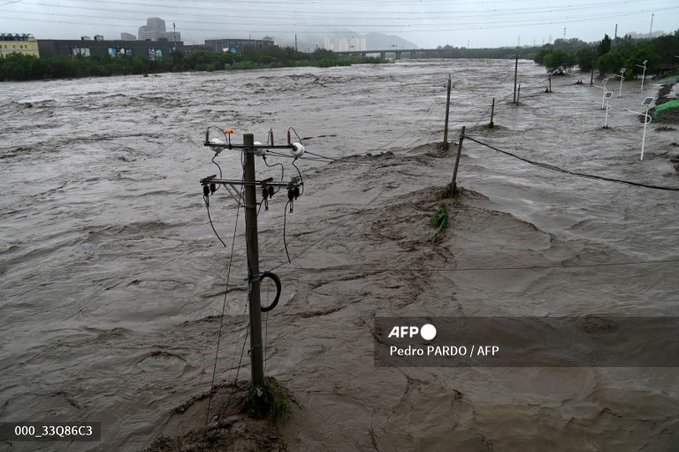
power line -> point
(318, 25)
(226, 294)
(554, 168)
(328, 234)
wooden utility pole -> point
(492, 113)
(256, 349)
(445, 130)
(516, 72)
(453, 184)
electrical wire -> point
(217, 165)
(285, 242)
(301, 179)
(209, 217)
(557, 169)
(271, 166)
(226, 295)
(329, 233)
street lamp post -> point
(622, 77)
(603, 88)
(643, 76)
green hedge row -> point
(22, 67)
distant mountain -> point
(375, 41)
(379, 41)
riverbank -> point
(18, 67)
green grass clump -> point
(440, 220)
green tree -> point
(604, 46)
(559, 58)
(585, 58)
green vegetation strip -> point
(23, 67)
(660, 109)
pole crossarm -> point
(243, 146)
(240, 182)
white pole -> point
(622, 78)
(606, 119)
(609, 94)
(603, 97)
(643, 138)
(643, 75)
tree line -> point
(19, 67)
(610, 56)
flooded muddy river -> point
(112, 281)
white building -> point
(342, 45)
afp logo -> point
(427, 331)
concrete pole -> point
(256, 349)
(516, 72)
(445, 130)
(492, 114)
(453, 183)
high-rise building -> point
(153, 30)
(328, 44)
(171, 36)
(342, 45)
(363, 44)
(127, 37)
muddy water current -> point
(111, 277)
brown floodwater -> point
(111, 279)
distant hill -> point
(375, 41)
(379, 41)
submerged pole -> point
(518, 94)
(445, 130)
(516, 72)
(643, 137)
(453, 184)
(492, 113)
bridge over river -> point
(397, 54)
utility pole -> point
(295, 42)
(452, 189)
(256, 350)
(492, 113)
(445, 130)
(249, 186)
(516, 71)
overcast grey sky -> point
(427, 23)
